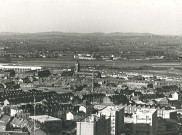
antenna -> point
(34, 113)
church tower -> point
(77, 67)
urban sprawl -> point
(90, 84)
(88, 101)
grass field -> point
(62, 63)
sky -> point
(86, 16)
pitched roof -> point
(5, 118)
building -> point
(136, 84)
(4, 122)
(145, 122)
(170, 114)
(76, 116)
(117, 118)
(77, 67)
(6, 102)
(14, 110)
(20, 68)
(13, 133)
(85, 57)
(148, 96)
(50, 125)
(177, 96)
(86, 73)
(163, 101)
(94, 125)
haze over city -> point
(86, 16)
(90, 67)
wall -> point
(86, 128)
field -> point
(58, 49)
(56, 63)
(166, 68)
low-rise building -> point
(49, 124)
(76, 116)
(177, 96)
(20, 68)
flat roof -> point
(19, 67)
(145, 111)
(44, 118)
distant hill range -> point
(75, 34)
(54, 34)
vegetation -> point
(124, 45)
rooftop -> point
(145, 111)
(44, 118)
(92, 118)
(19, 67)
(112, 108)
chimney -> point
(92, 81)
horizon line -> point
(92, 33)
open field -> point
(101, 63)
(162, 68)
(106, 63)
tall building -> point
(94, 125)
(145, 122)
(117, 118)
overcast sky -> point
(151, 16)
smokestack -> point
(92, 81)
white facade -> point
(6, 102)
(20, 68)
(82, 109)
(175, 95)
(144, 116)
(85, 128)
(145, 121)
(167, 114)
(69, 116)
(13, 112)
(84, 57)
